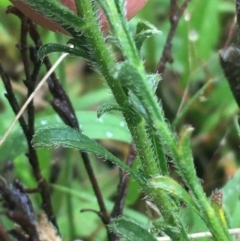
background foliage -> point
(205, 27)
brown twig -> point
(122, 190)
(3, 234)
(63, 106)
(122, 186)
(28, 129)
(12, 99)
(175, 15)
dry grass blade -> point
(6, 134)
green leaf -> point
(130, 230)
(187, 171)
(153, 80)
(173, 188)
(115, 14)
(206, 42)
(185, 164)
(130, 77)
(120, 4)
(135, 95)
(51, 48)
(144, 31)
(4, 3)
(88, 197)
(226, 7)
(91, 99)
(159, 155)
(106, 108)
(60, 14)
(231, 203)
(160, 224)
(193, 221)
(108, 127)
(83, 48)
(70, 138)
(107, 6)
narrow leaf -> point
(130, 77)
(107, 7)
(173, 188)
(60, 14)
(130, 230)
(186, 165)
(70, 138)
(153, 80)
(144, 31)
(115, 14)
(132, 80)
(188, 172)
(107, 108)
(51, 48)
(109, 127)
(161, 224)
(160, 157)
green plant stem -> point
(159, 154)
(129, 50)
(188, 173)
(149, 101)
(145, 153)
(179, 151)
(138, 131)
(107, 66)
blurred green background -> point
(205, 28)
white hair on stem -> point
(30, 98)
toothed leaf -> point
(130, 230)
(70, 138)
